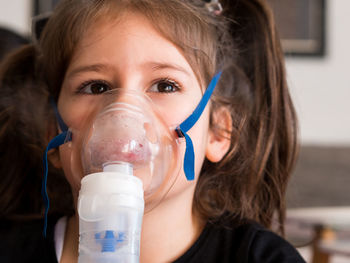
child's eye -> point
(94, 87)
(165, 86)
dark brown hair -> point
(250, 182)
(24, 119)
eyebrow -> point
(155, 66)
(88, 68)
(162, 66)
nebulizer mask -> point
(127, 156)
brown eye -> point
(95, 87)
(165, 86)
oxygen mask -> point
(124, 132)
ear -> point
(219, 137)
(54, 158)
(53, 155)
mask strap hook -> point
(60, 139)
(187, 124)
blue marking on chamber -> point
(109, 241)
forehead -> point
(129, 40)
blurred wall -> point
(16, 15)
(321, 86)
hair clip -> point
(214, 7)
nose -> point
(123, 96)
(119, 134)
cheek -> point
(65, 152)
(74, 110)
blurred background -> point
(316, 39)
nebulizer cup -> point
(127, 157)
(110, 207)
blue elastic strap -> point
(187, 124)
(54, 143)
(60, 139)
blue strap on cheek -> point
(187, 124)
(60, 139)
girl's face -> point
(131, 54)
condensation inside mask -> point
(128, 129)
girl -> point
(244, 140)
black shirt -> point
(247, 242)
(22, 241)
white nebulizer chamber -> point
(110, 208)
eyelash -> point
(82, 86)
(167, 80)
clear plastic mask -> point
(126, 127)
